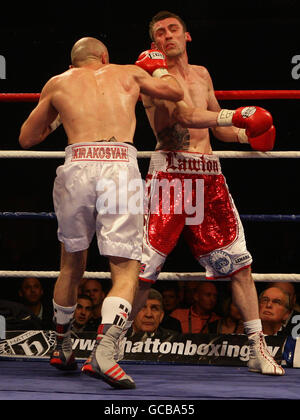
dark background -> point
(244, 45)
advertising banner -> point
(206, 349)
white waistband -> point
(100, 152)
(185, 162)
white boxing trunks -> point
(215, 235)
(91, 195)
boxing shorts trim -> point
(106, 152)
(185, 162)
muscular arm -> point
(165, 87)
(37, 126)
(225, 134)
(206, 115)
(198, 118)
(194, 117)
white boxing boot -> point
(260, 359)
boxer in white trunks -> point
(95, 101)
(185, 154)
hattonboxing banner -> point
(231, 350)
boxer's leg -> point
(124, 275)
(72, 267)
(64, 304)
(224, 254)
(244, 295)
(245, 298)
(115, 312)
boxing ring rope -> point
(221, 95)
(20, 154)
(268, 277)
(247, 217)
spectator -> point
(196, 318)
(94, 289)
(81, 286)
(231, 321)
(18, 317)
(190, 288)
(151, 315)
(31, 293)
(83, 314)
(171, 299)
(148, 321)
(295, 308)
(181, 285)
(274, 310)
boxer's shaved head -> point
(88, 49)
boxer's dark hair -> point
(164, 14)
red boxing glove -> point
(254, 119)
(154, 62)
(263, 143)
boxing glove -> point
(254, 119)
(263, 143)
(154, 62)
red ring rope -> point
(220, 94)
(257, 94)
(19, 97)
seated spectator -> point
(170, 294)
(295, 308)
(189, 292)
(81, 286)
(274, 310)
(181, 286)
(196, 318)
(18, 317)
(149, 319)
(94, 289)
(231, 321)
(31, 293)
(83, 314)
(150, 316)
(171, 301)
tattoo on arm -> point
(173, 138)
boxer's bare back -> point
(95, 103)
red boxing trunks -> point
(188, 193)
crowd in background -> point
(183, 307)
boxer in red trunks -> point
(183, 153)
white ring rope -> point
(163, 276)
(9, 154)
(16, 154)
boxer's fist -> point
(154, 62)
(263, 143)
(254, 119)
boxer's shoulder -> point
(199, 71)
